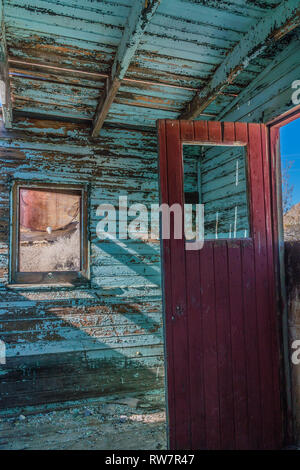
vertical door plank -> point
(262, 285)
(223, 323)
(167, 286)
(272, 285)
(196, 350)
(251, 346)
(250, 317)
(210, 355)
(195, 324)
(238, 342)
(179, 311)
(194, 329)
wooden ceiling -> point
(131, 62)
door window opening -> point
(216, 176)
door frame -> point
(273, 128)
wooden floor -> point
(127, 425)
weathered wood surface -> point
(5, 93)
(270, 94)
(60, 56)
(67, 344)
(271, 28)
(138, 20)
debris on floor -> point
(109, 426)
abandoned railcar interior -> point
(92, 92)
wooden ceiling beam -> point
(4, 75)
(271, 28)
(138, 20)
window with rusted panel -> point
(49, 242)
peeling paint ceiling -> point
(60, 53)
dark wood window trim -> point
(64, 278)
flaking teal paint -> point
(85, 339)
(183, 44)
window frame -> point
(235, 144)
(71, 278)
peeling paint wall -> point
(105, 340)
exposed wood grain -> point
(270, 29)
(139, 17)
(4, 77)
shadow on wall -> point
(66, 345)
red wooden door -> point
(221, 333)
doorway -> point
(284, 143)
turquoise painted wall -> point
(101, 341)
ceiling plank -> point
(140, 16)
(4, 76)
(271, 28)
